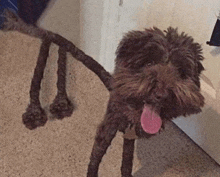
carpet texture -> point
(62, 147)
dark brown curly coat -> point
(159, 70)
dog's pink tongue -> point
(150, 121)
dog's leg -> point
(105, 133)
(127, 157)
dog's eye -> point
(150, 63)
(184, 73)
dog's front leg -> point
(105, 133)
(127, 157)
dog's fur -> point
(154, 68)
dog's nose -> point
(159, 95)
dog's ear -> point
(132, 42)
(138, 48)
(171, 34)
(200, 67)
(130, 50)
(183, 40)
(197, 49)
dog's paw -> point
(34, 117)
(162, 128)
(61, 107)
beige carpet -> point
(62, 148)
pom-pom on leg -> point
(61, 106)
(35, 116)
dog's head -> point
(161, 71)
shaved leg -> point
(105, 133)
(127, 157)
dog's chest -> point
(132, 113)
(133, 129)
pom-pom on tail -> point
(35, 116)
(61, 106)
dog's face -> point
(160, 70)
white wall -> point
(63, 17)
(91, 17)
(78, 21)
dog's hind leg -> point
(105, 133)
(127, 157)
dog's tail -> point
(13, 22)
(35, 116)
